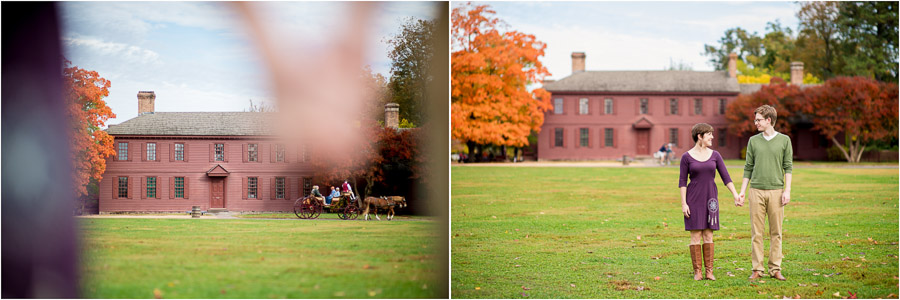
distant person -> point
(661, 154)
(347, 189)
(699, 203)
(670, 155)
(768, 170)
(315, 194)
(335, 193)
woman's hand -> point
(737, 201)
(685, 210)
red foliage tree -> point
(784, 97)
(863, 109)
(87, 111)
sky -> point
(618, 36)
(196, 56)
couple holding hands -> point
(768, 172)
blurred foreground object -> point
(39, 237)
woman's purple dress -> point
(702, 194)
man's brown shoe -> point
(756, 275)
(777, 275)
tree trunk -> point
(471, 146)
(841, 147)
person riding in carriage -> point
(315, 194)
(335, 194)
(347, 189)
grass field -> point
(246, 258)
(556, 232)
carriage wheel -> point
(352, 211)
(298, 208)
(315, 209)
(343, 211)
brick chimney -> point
(392, 115)
(732, 65)
(577, 62)
(146, 102)
(797, 73)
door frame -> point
(212, 183)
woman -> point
(699, 202)
(335, 193)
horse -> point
(388, 203)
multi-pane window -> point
(673, 106)
(584, 136)
(179, 187)
(673, 136)
(722, 104)
(279, 152)
(252, 152)
(307, 185)
(220, 152)
(608, 106)
(304, 153)
(151, 187)
(644, 106)
(698, 106)
(722, 138)
(252, 184)
(608, 139)
(179, 151)
(583, 106)
(123, 187)
(279, 187)
(151, 151)
(558, 137)
(123, 151)
(558, 106)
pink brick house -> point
(171, 161)
(600, 115)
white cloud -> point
(129, 52)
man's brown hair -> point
(700, 129)
(767, 112)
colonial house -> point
(171, 161)
(600, 115)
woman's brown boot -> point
(708, 260)
(696, 257)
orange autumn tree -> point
(491, 71)
(87, 111)
(863, 109)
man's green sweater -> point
(768, 161)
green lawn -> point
(245, 258)
(555, 232)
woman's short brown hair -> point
(700, 129)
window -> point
(252, 188)
(608, 106)
(673, 106)
(220, 152)
(722, 138)
(558, 106)
(253, 154)
(673, 136)
(608, 141)
(179, 151)
(307, 185)
(558, 137)
(722, 104)
(583, 106)
(151, 151)
(179, 187)
(123, 187)
(279, 187)
(584, 137)
(644, 105)
(279, 153)
(304, 153)
(698, 106)
(123, 151)
(151, 187)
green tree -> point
(736, 40)
(818, 37)
(410, 56)
(869, 39)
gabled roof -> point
(218, 170)
(646, 81)
(197, 123)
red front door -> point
(643, 142)
(217, 199)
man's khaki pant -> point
(765, 203)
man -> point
(346, 187)
(315, 194)
(768, 170)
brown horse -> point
(388, 203)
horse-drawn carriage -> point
(311, 207)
